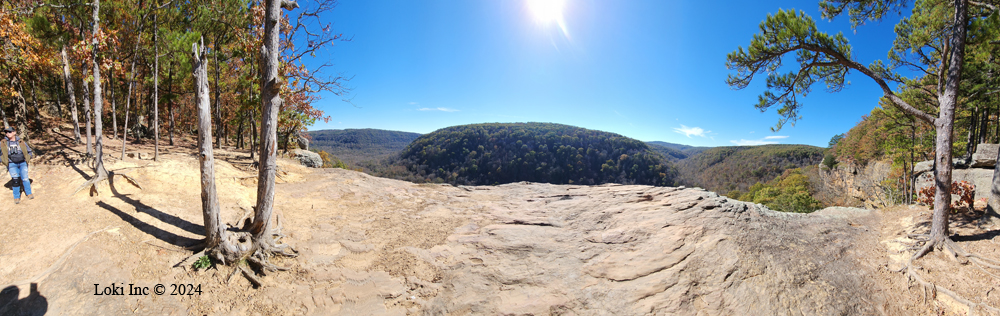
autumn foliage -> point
(965, 191)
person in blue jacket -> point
(15, 154)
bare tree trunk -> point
(214, 231)
(72, 95)
(944, 125)
(114, 108)
(88, 110)
(156, 88)
(253, 135)
(269, 86)
(34, 103)
(128, 106)
(218, 113)
(170, 107)
(98, 99)
(57, 95)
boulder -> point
(923, 166)
(302, 141)
(981, 178)
(308, 158)
(985, 156)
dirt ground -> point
(372, 246)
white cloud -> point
(688, 131)
(437, 109)
(414, 103)
(754, 142)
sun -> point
(547, 11)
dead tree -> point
(88, 112)
(217, 242)
(100, 172)
(68, 81)
(156, 89)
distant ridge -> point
(722, 169)
(498, 153)
(675, 151)
(360, 147)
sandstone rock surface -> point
(373, 246)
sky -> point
(650, 70)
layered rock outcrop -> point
(979, 171)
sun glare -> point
(546, 11)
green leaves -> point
(860, 11)
(820, 57)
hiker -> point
(15, 155)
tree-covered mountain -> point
(499, 153)
(673, 151)
(360, 147)
(724, 169)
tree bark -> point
(271, 103)
(34, 105)
(87, 109)
(128, 106)
(68, 80)
(214, 231)
(114, 107)
(98, 98)
(218, 114)
(170, 107)
(156, 87)
(944, 125)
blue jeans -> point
(19, 171)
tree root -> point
(239, 248)
(959, 255)
(250, 276)
(187, 262)
(92, 183)
(934, 289)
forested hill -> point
(675, 151)
(498, 153)
(355, 146)
(723, 169)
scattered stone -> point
(308, 158)
(985, 156)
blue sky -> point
(651, 70)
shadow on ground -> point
(33, 304)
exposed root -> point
(250, 276)
(934, 289)
(187, 262)
(959, 255)
(92, 183)
(232, 275)
(129, 179)
(171, 248)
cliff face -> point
(853, 185)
